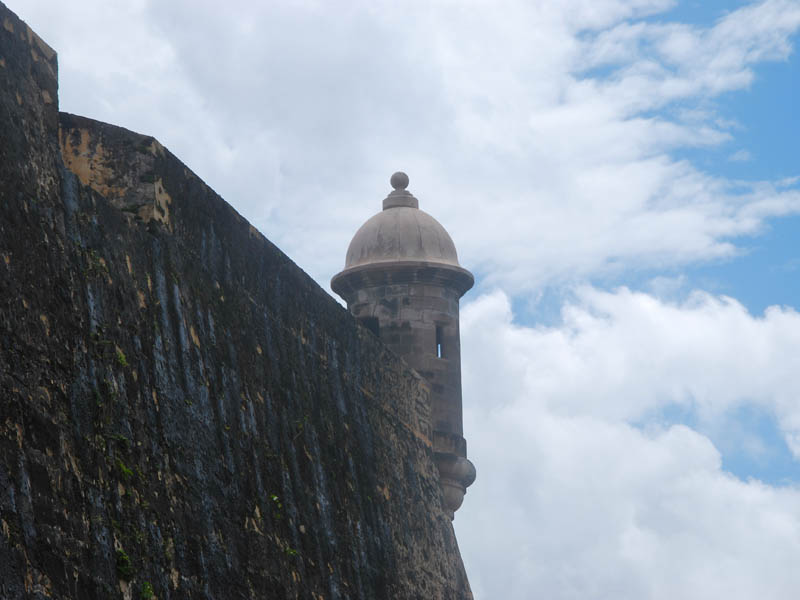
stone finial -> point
(400, 196)
(399, 181)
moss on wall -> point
(185, 413)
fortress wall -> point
(184, 413)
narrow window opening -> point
(372, 324)
(439, 342)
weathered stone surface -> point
(183, 412)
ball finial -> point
(399, 181)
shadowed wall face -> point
(184, 412)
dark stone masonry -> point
(184, 413)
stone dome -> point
(401, 232)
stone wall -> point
(184, 413)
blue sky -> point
(622, 178)
(766, 271)
(768, 129)
(764, 274)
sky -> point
(622, 177)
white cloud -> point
(544, 171)
(740, 156)
(665, 61)
(626, 356)
(573, 501)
